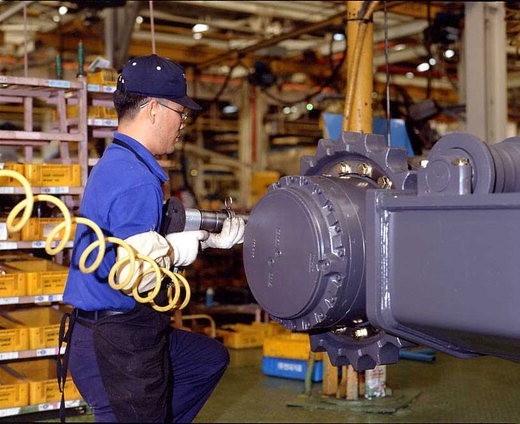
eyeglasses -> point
(184, 115)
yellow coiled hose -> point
(174, 289)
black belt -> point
(95, 315)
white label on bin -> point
(72, 403)
(47, 352)
(3, 231)
(8, 245)
(7, 412)
(9, 300)
(58, 83)
(285, 366)
(55, 190)
(8, 355)
(38, 244)
(93, 87)
(6, 190)
(47, 228)
(48, 298)
(48, 406)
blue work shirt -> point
(123, 196)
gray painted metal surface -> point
(368, 256)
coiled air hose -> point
(27, 204)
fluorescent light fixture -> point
(309, 106)
(449, 53)
(63, 10)
(139, 20)
(56, 18)
(200, 28)
(423, 67)
(409, 75)
(338, 36)
(286, 110)
(230, 109)
(399, 47)
(432, 61)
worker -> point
(125, 358)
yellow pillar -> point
(358, 98)
(358, 105)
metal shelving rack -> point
(71, 135)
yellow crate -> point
(270, 328)
(14, 391)
(9, 181)
(42, 276)
(72, 111)
(108, 112)
(13, 336)
(43, 324)
(52, 175)
(103, 77)
(263, 328)
(41, 376)
(16, 255)
(40, 228)
(260, 181)
(241, 339)
(13, 282)
(289, 346)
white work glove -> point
(185, 246)
(232, 233)
(150, 244)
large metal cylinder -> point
(367, 255)
(304, 251)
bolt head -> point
(384, 182)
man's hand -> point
(232, 233)
(185, 246)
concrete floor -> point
(449, 390)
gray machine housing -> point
(368, 255)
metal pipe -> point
(358, 102)
(14, 9)
(271, 41)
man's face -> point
(171, 118)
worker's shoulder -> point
(120, 164)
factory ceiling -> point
(299, 41)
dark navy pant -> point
(198, 363)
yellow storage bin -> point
(102, 77)
(42, 276)
(270, 328)
(9, 181)
(289, 346)
(40, 228)
(53, 175)
(14, 391)
(12, 281)
(43, 324)
(13, 337)
(260, 181)
(41, 376)
(239, 336)
(108, 112)
(241, 339)
(10, 255)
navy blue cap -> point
(156, 76)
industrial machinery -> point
(368, 255)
